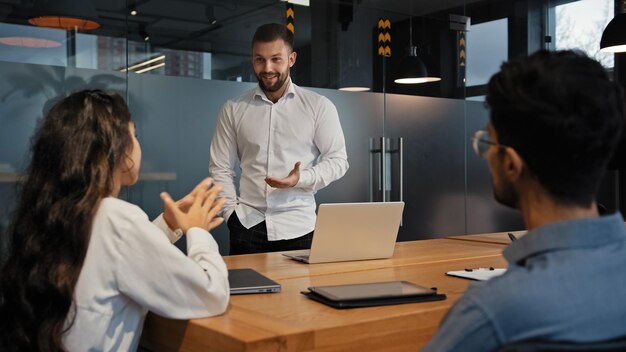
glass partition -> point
(177, 62)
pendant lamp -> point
(65, 14)
(614, 35)
(353, 79)
(411, 69)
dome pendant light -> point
(614, 35)
(412, 69)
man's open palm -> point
(287, 182)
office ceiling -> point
(185, 24)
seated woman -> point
(85, 267)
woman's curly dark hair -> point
(75, 153)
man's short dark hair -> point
(563, 116)
(270, 32)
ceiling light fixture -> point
(614, 36)
(411, 69)
(209, 11)
(140, 65)
(133, 10)
(150, 68)
(144, 34)
(353, 79)
(65, 14)
(297, 2)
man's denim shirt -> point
(566, 281)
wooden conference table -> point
(288, 321)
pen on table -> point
(491, 268)
(512, 237)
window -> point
(487, 48)
(579, 25)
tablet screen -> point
(371, 290)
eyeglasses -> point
(482, 141)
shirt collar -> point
(290, 91)
(565, 235)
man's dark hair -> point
(270, 32)
(564, 117)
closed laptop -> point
(243, 281)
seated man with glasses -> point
(555, 121)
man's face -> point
(503, 189)
(271, 62)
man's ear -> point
(292, 58)
(513, 165)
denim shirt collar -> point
(565, 235)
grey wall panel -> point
(484, 214)
(434, 191)
(176, 119)
(361, 116)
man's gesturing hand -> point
(287, 182)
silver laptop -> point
(353, 231)
(248, 280)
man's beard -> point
(274, 87)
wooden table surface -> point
(498, 237)
(288, 321)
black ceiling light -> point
(353, 79)
(144, 34)
(411, 69)
(210, 14)
(614, 35)
(65, 14)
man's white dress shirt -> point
(131, 267)
(267, 139)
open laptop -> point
(353, 231)
(250, 281)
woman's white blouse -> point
(131, 267)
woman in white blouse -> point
(85, 267)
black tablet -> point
(372, 294)
(372, 290)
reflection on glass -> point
(33, 45)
